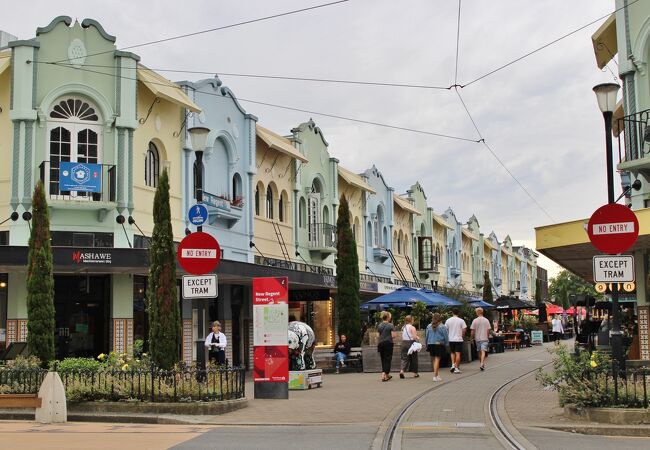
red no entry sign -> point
(199, 253)
(613, 228)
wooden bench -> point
(326, 360)
(20, 401)
(512, 340)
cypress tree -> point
(487, 288)
(347, 277)
(40, 282)
(162, 298)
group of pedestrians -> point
(440, 338)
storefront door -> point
(82, 315)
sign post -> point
(613, 229)
(270, 326)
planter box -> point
(615, 416)
(372, 363)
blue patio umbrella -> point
(399, 298)
(437, 299)
(476, 302)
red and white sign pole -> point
(270, 325)
(613, 229)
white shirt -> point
(455, 325)
(409, 333)
(557, 326)
(222, 341)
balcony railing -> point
(379, 254)
(322, 236)
(49, 175)
(632, 140)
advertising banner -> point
(80, 177)
(270, 322)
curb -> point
(596, 430)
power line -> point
(274, 77)
(492, 152)
(224, 27)
(289, 108)
(457, 44)
(546, 45)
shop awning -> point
(355, 180)
(5, 61)
(469, 234)
(604, 41)
(405, 204)
(441, 221)
(277, 142)
(568, 244)
(618, 114)
(163, 88)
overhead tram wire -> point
(224, 27)
(272, 77)
(457, 44)
(289, 108)
(546, 45)
(512, 175)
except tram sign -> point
(199, 253)
(613, 228)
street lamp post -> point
(199, 140)
(606, 95)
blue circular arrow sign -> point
(198, 214)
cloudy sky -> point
(539, 115)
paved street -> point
(352, 411)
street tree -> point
(565, 284)
(40, 282)
(162, 299)
(347, 276)
(487, 288)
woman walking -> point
(437, 339)
(409, 362)
(385, 345)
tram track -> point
(499, 429)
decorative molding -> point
(187, 341)
(67, 20)
(86, 23)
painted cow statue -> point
(302, 341)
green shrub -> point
(23, 363)
(69, 364)
(580, 380)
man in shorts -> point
(456, 328)
(480, 333)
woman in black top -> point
(385, 345)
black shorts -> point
(436, 350)
(456, 347)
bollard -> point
(53, 402)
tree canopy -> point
(565, 284)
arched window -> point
(269, 202)
(74, 136)
(237, 199)
(257, 200)
(281, 209)
(302, 213)
(152, 166)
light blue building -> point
(228, 167)
(454, 248)
(378, 218)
